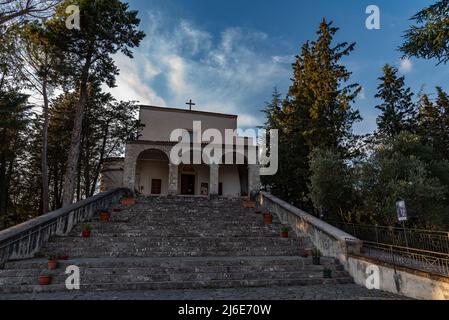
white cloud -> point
(228, 74)
(130, 82)
(405, 65)
(283, 59)
(362, 94)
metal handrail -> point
(424, 260)
(432, 241)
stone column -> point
(129, 168)
(172, 179)
(213, 180)
(253, 180)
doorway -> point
(188, 184)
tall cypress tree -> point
(442, 104)
(317, 112)
(397, 109)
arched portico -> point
(232, 179)
(152, 172)
(139, 153)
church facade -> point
(148, 168)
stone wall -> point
(332, 242)
(111, 174)
(25, 240)
(400, 280)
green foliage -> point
(317, 113)
(15, 119)
(429, 38)
(398, 111)
(332, 185)
(106, 27)
(396, 170)
(87, 227)
(316, 253)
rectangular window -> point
(156, 186)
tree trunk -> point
(100, 161)
(3, 186)
(74, 153)
(44, 164)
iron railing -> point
(424, 260)
(431, 241)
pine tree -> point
(429, 38)
(107, 27)
(397, 109)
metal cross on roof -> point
(190, 103)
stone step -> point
(150, 240)
(179, 225)
(176, 243)
(194, 262)
(177, 285)
(307, 269)
(139, 275)
(181, 253)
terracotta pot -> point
(64, 257)
(44, 280)
(249, 204)
(86, 233)
(284, 234)
(128, 201)
(303, 253)
(268, 219)
(104, 216)
(52, 264)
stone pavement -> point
(330, 292)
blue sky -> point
(227, 55)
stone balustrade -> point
(331, 241)
(25, 240)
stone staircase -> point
(176, 243)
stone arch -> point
(132, 153)
(229, 173)
(152, 172)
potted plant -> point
(104, 216)
(327, 273)
(52, 261)
(268, 218)
(64, 256)
(284, 231)
(128, 201)
(248, 204)
(258, 210)
(87, 230)
(45, 278)
(316, 254)
(304, 253)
